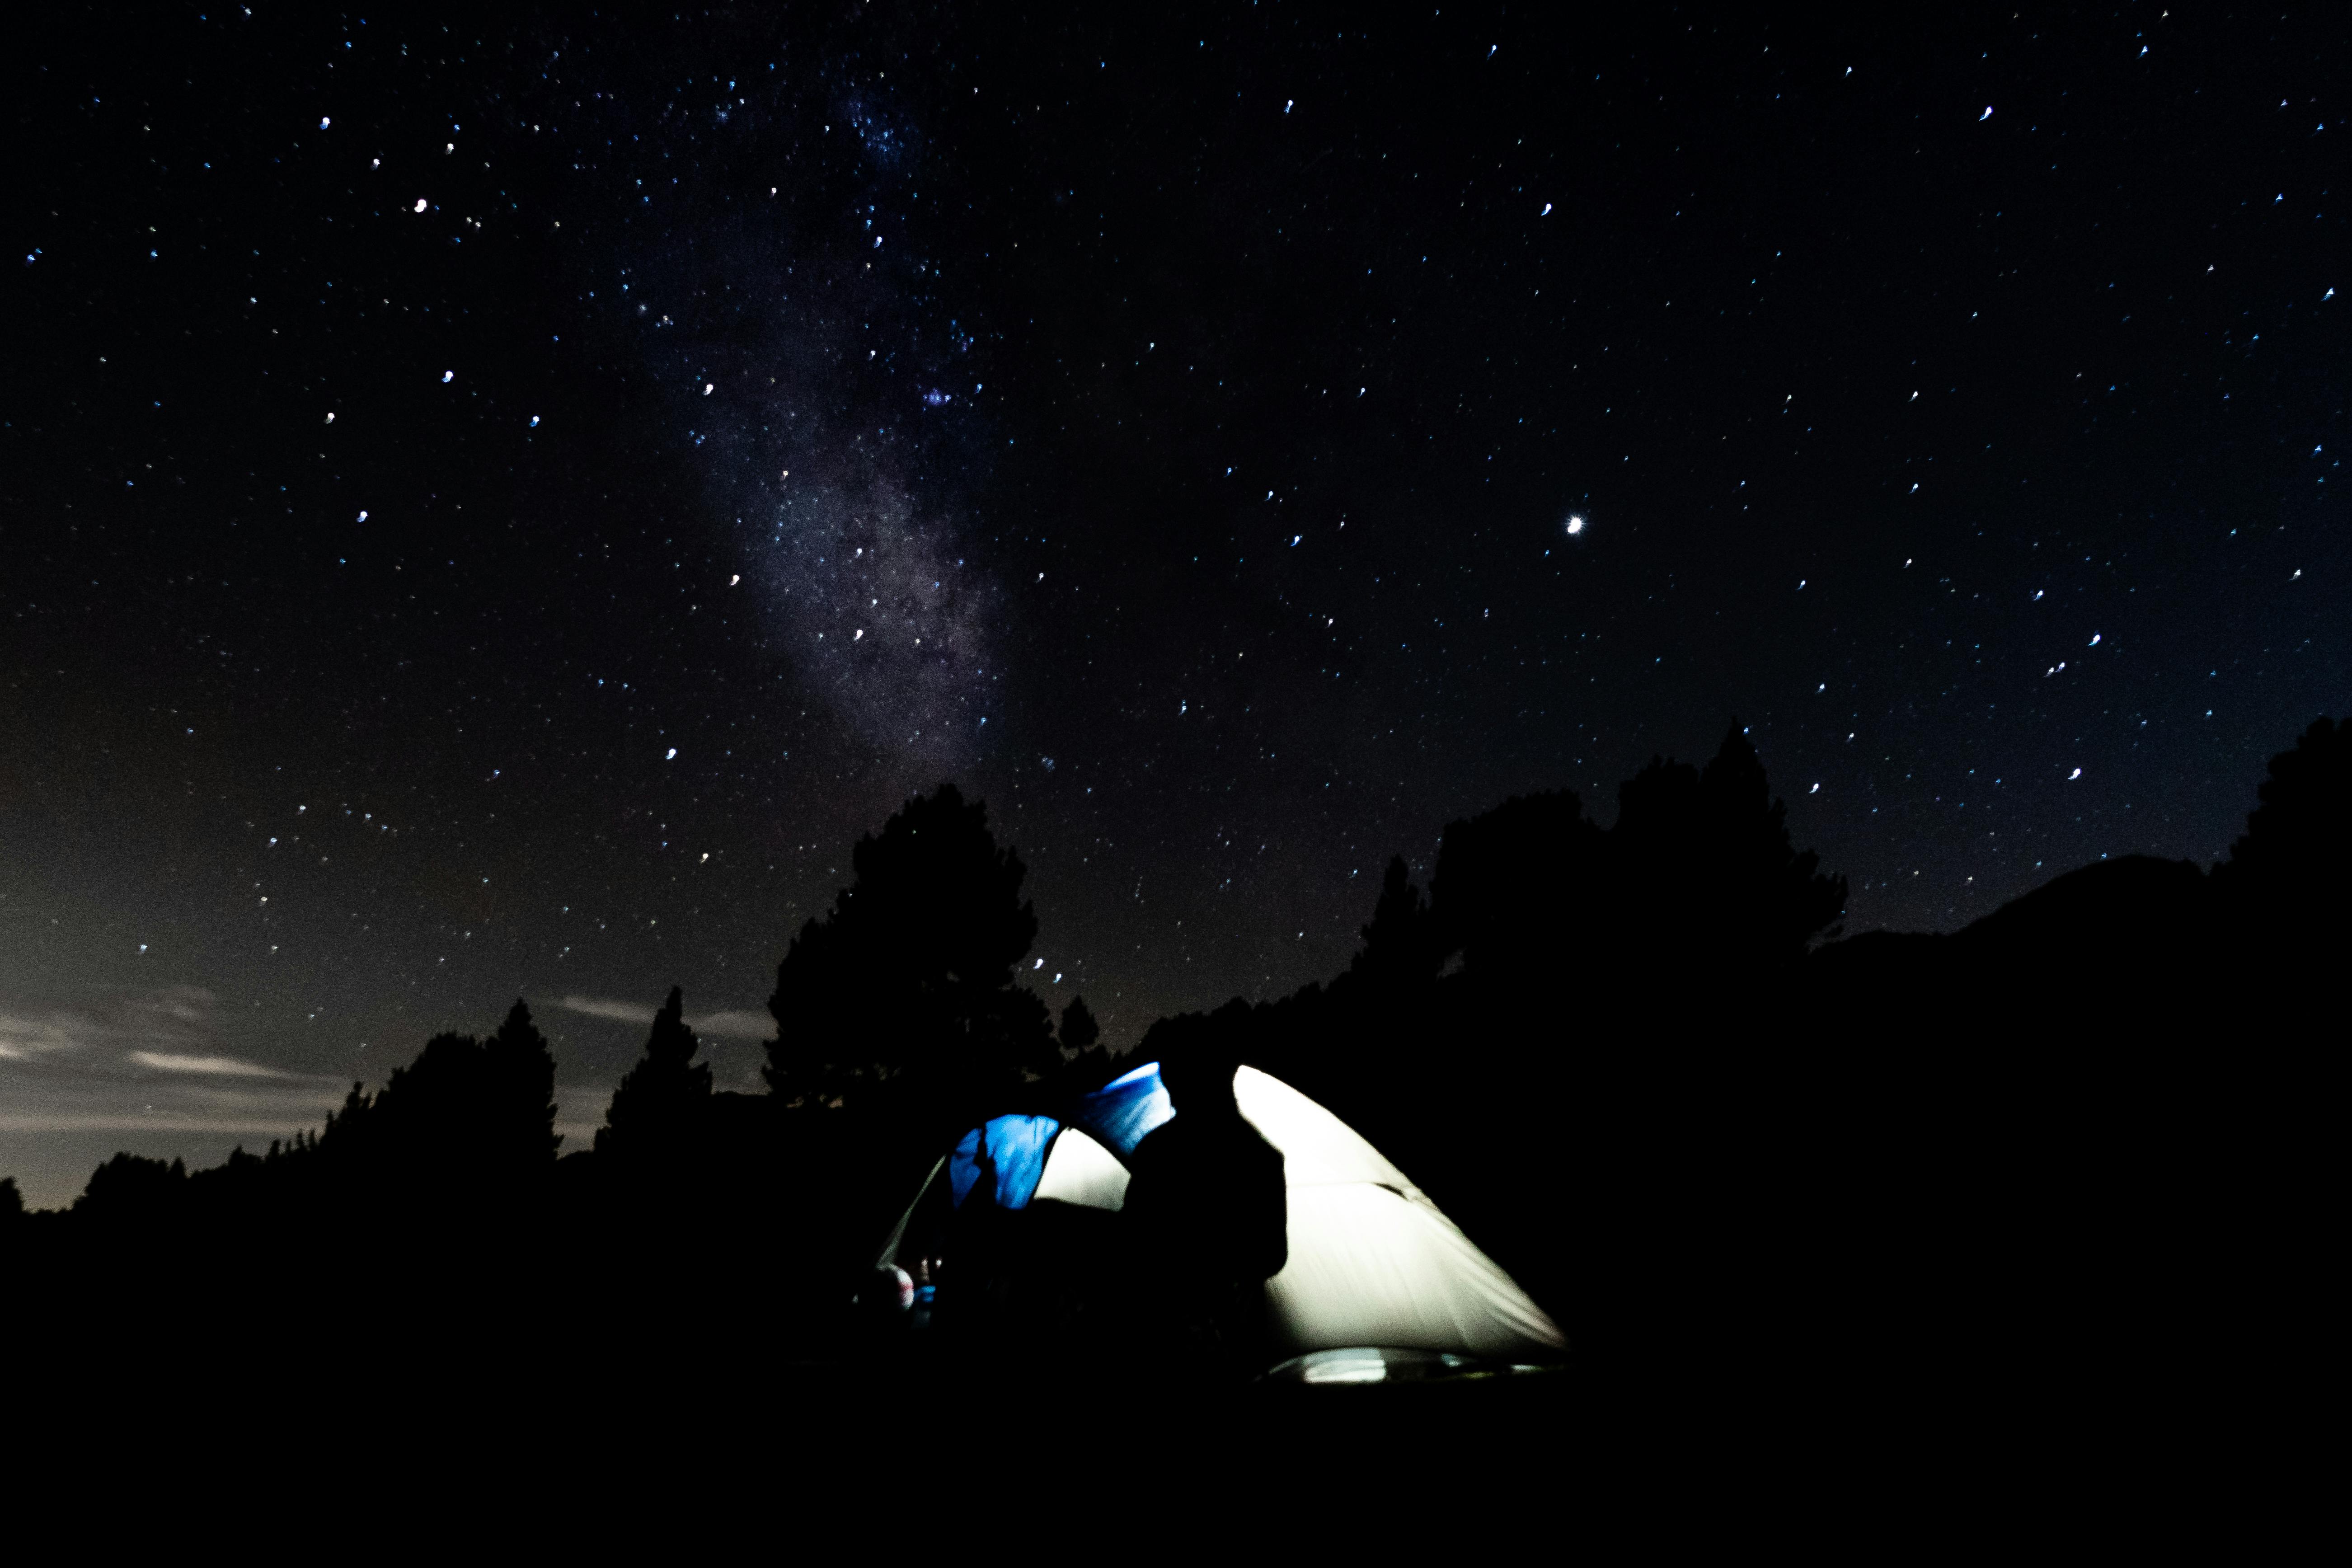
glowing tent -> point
(1373, 1263)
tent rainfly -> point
(1373, 1262)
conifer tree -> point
(2285, 880)
(522, 1074)
(2300, 836)
(1080, 1032)
(904, 995)
(658, 1109)
(1403, 950)
(464, 1112)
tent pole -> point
(889, 1258)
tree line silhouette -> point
(1725, 1146)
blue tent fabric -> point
(1116, 1116)
(1017, 1147)
(1120, 1113)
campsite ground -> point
(1557, 1460)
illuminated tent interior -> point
(1373, 1263)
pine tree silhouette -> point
(131, 1187)
(904, 995)
(1082, 1063)
(2299, 839)
(1520, 888)
(1403, 949)
(1706, 858)
(660, 1105)
(1080, 1032)
(523, 1079)
(1697, 878)
(464, 1114)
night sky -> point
(498, 513)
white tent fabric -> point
(1080, 1171)
(1372, 1261)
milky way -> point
(816, 375)
(498, 507)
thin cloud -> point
(596, 1007)
(297, 1118)
(148, 1070)
(733, 1023)
(736, 1023)
(175, 1015)
(187, 1004)
(216, 1066)
(23, 1038)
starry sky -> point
(495, 509)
